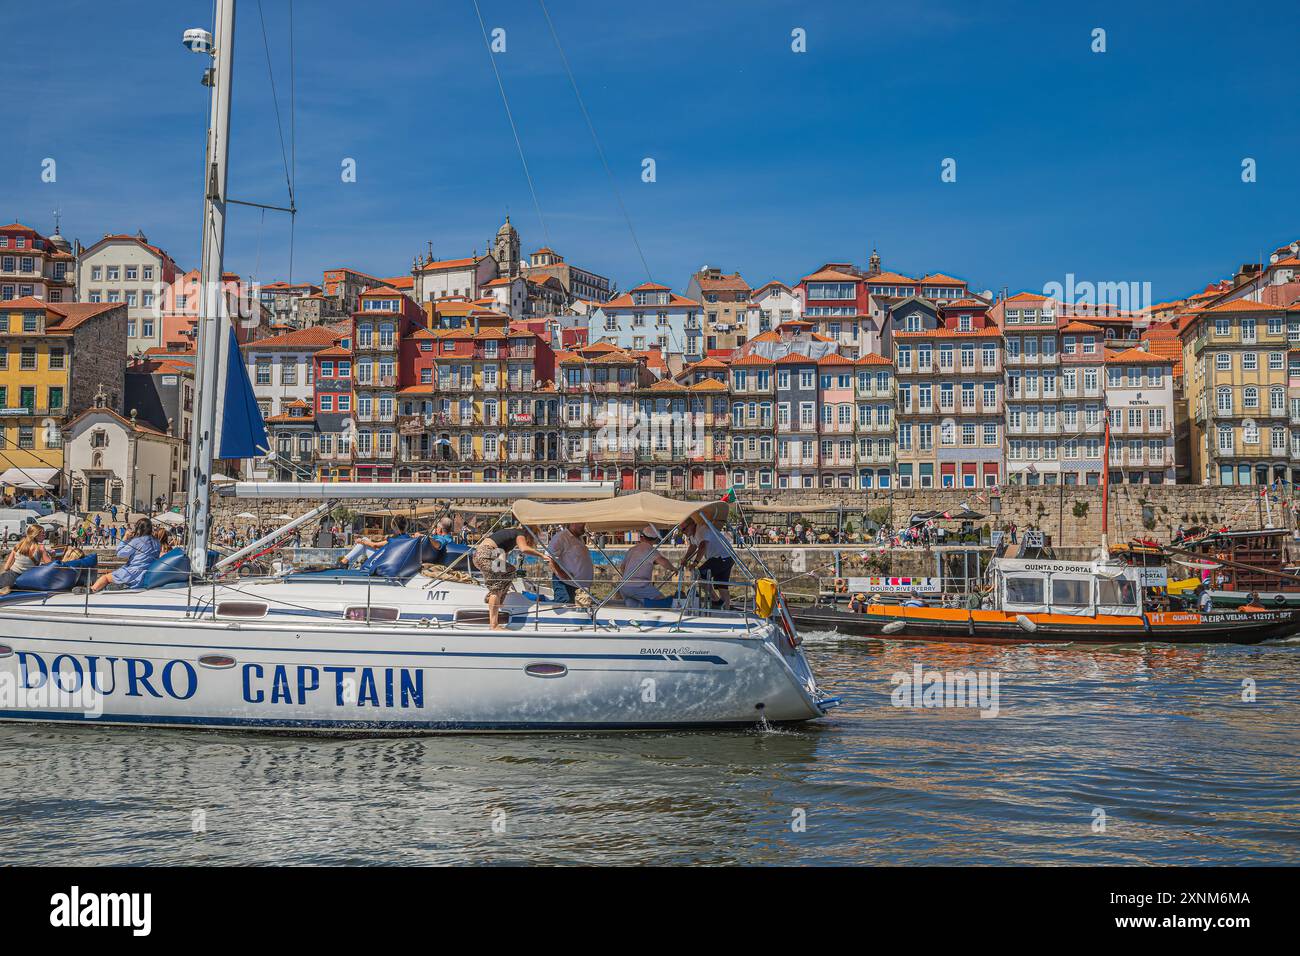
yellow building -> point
(1235, 380)
(54, 358)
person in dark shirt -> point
(491, 560)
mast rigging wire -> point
(487, 45)
(595, 139)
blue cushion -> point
(400, 558)
(47, 577)
(456, 554)
(170, 568)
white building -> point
(281, 369)
(509, 295)
(650, 315)
(121, 268)
(771, 305)
(1140, 402)
(115, 460)
(451, 278)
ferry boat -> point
(1035, 601)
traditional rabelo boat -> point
(1042, 600)
(1262, 564)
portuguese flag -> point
(729, 496)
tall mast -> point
(1105, 491)
(207, 360)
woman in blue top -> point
(140, 549)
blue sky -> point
(1119, 166)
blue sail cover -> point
(242, 430)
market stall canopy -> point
(28, 477)
(624, 513)
(168, 518)
(60, 518)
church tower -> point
(505, 250)
(873, 263)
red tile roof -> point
(1244, 305)
(891, 278)
(831, 275)
(313, 338)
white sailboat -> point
(403, 648)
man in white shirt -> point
(574, 560)
(639, 567)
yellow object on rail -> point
(764, 597)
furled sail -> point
(241, 432)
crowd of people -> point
(140, 546)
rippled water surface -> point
(1157, 739)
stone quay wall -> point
(1070, 515)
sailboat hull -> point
(288, 678)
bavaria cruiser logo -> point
(927, 689)
(75, 909)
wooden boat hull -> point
(959, 625)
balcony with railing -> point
(798, 428)
(874, 427)
(836, 428)
(796, 461)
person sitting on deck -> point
(366, 548)
(575, 571)
(639, 567)
(858, 604)
(28, 553)
(140, 550)
(1252, 604)
(1205, 603)
(914, 600)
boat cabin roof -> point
(624, 513)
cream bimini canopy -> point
(624, 513)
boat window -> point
(1118, 591)
(1071, 592)
(241, 609)
(375, 613)
(473, 615)
(1025, 590)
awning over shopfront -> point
(29, 477)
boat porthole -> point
(217, 661)
(1279, 599)
(6, 650)
(546, 670)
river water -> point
(1111, 755)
